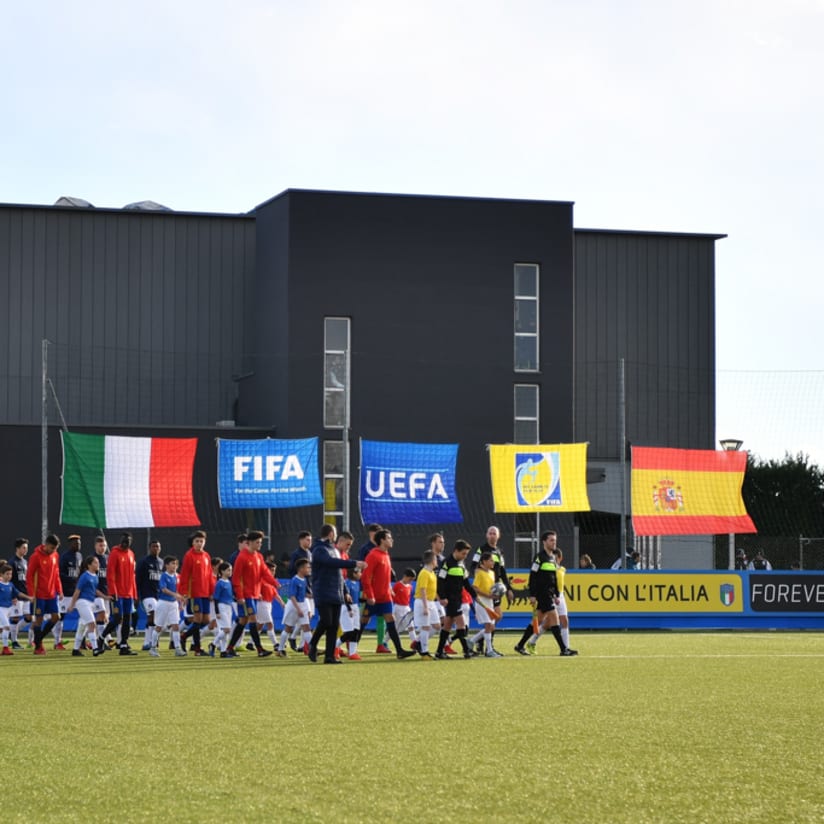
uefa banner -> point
(539, 478)
(268, 473)
(408, 483)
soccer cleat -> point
(146, 647)
(153, 652)
(212, 649)
(343, 652)
(15, 645)
(111, 643)
(470, 654)
(531, 648)
(39, 651)
(492, 654)
(337, 653)
(305, 649)
(6, 651)
(415, 645)
(264, 653)
(60, 647)
(293, 644)
(382, 649)
(127, 651)
(98, 652)
(567, 652)
(520, 650)
(479, 647)
(448, 650)
(442, 656)
(180, 652)
(281, 653)
(76, 653)
(406, 653)
(250, 646)
(230, 653)
(355, 657)
(499, 654)
(427, 656)
(199, 653)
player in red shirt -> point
(376, 583)
(122, 586)
(248, 571)
(197, 583)
(402, 609)
(43, 584)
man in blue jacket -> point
(328, 589)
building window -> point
(526, 317)
(336, 373)
(526, 413)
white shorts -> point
(212, 613)
(399, 610)
(561, 605)
(5, 621)
(466, 611)
(149, 605)
(441, 610)
(64, 602)
(167, 614)
(349, 618)
(310, 607)
(101, 605)
(426, 613)
(264, 613)
(85, 612)
(224, 617)
(20, 609)
(481, 615)
(291, 617)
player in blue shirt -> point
(224, 599)
(167, 612)
(147, 574)
(86, 590)
(350, 616)
(296, 611)
(8, 598)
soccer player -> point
(148, 572)
(85, 592)
(122, 588)
(304, 551)
(268, 595)
(380, 628)
(486, 613)
(20, 614)
(350, 616)
(224, 599)
(167, 613)
(453, 581)
(376, 582)
(249, 570)
(560, 601)
(296, 611)
(9, 595)
(70, 562)
(543, 590)
(427, 617)
(493, 535)
(101, 605)
(197, 584)
(43, 584)
(401, 605)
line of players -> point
(231, 599)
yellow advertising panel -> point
(616, 592)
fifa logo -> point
(538, 479)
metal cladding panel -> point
(144, 314)
(649, 299)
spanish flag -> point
(688, 492)
(539, 477)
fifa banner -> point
(688, 492)
(268, 473)
(539, 478)
(408, 483)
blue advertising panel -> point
(408, 483)
(268, 473)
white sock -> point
(272, 636)
(5, 636)
(92, 636)
(488, 641)
(284, 639)
(307, 637)
(176, 639)
(423, 640)
(565, 635)
(57, 631)
(15, 628)
(353, 648)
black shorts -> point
(545, 603)
(453, 608)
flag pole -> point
(44, 441)
(622, 429)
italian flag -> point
(688, 492)
(115, 481)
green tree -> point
(785, 498)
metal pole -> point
(44, 440)
(732, 550)
(622, 429)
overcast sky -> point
(699, 116)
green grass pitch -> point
(641, 727)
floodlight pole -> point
(731, 445)
(44, 440)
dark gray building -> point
(344, 315)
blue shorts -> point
(123, 606)
(383, 608)
(247, 608)
(46, 606)
(198, 606)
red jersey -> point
(402, 593)
(43, 574)
(120, 573)
(249, 570)
(267, 591)
(376, 580)
(196, 578)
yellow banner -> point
(539, 478)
